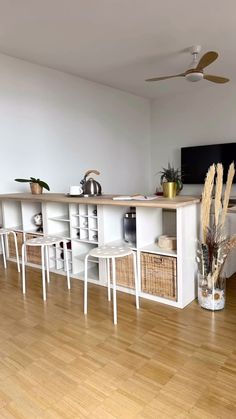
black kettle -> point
(90, 186)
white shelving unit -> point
(86, 225)
(84, 233)
(230, 266)
(150, 224)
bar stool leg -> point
(23, 267)
(17, 253)
(114, 290)
(43, 274)
(67, 264)
(86, 284)
(3, 251)
(136, 280)
(47, 263)
(108, 280)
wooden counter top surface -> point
(160, 202)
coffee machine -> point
(129, 226)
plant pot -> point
(211, 295)
(36, 189)
(169, 189)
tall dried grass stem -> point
(206, 201)
(218, 192)
(229, 182)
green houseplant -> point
(36, 185)
(171, 181)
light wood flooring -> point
(159, 362)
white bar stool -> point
(44, 242)
(110, 252)
(5, 232)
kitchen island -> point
(166, 276)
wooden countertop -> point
(160, 202)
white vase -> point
(211, 294)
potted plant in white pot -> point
(171, 181)
(36, 185)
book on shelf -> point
(135, 197)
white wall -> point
(205, 115)
(55, 126)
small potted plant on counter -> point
(36, 185)
(171, 181)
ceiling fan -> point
(195, 71)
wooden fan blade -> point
(166, 77)
(215, 79)
(207, 59)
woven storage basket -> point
(158, 275)
(33, 252)
(124, 271)
(11, 244)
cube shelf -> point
(165, 276)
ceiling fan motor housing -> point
(194, 76)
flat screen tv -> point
(195, 161)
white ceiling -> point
(121, 42)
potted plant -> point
(214, 244)
(36, 185)
(171, 181)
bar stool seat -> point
(110, 253)
(5, 232)
(44, 242)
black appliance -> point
(129, 226)
(195, 161)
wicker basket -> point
(158, 275)
(124, 271)
(33, 252)
(11, 244)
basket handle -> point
(158, 260)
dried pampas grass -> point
(215, 247)
(231, 244)
(220, 212)
(206, 201)
(229, 182)
(218, 192)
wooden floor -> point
(160, 362)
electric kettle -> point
(90, 186)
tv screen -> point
(195, 161)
